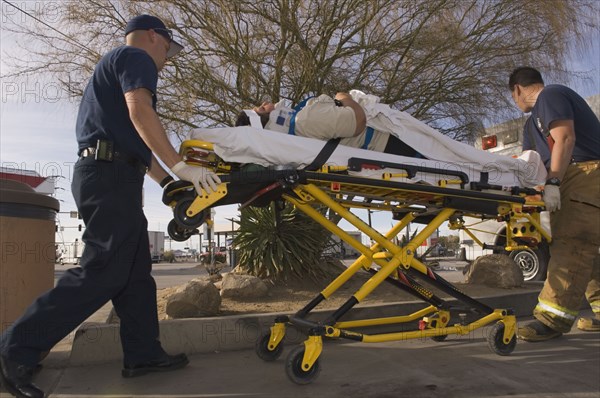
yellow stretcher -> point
(342, 192)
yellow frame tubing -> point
(359, 263)
(331, 227)
(323, 198)
(404, 256)
(195, 144)
(538, 226)
(367, 253)
(472, 236)
(497, 315)
(386, 321)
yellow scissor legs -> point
(396, 264)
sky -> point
(37, 132)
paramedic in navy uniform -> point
(119, 135)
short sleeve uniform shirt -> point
(557, 102)
(103, 112)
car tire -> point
(533, 262)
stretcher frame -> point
(334, 188)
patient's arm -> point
(359, 112)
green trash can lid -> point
(19, 193)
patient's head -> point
(265, 108)
(263, 111)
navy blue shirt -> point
(557, 102)
(103, 112)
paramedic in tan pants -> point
(570, 129)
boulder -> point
(198, 298)
(495, 270)
(239, 286)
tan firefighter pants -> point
(574, 267)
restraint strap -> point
(323, 155)
(369, 136)
(297, 109)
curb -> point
(96, 343)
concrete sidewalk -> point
(223, 362)
(459, 367)
(567, 367)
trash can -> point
(27, 247)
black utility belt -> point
(104, 152)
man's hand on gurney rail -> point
(199, 176)
(552, 197)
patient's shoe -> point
(163, 364)
(588, 324)
(536, 331)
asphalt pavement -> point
(459, 367)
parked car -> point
(533, 262)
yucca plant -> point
(280, 244)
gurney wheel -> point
(439, 338)
(293, 367)
(496, 340)
(186, 221)
(177, 233)
(262, 348)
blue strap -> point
(297, 109)
(293, 124)
(368, 138)
(302, 104)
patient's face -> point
(264, 108)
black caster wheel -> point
(439, 338)
(177, 233)
(261, 347)
(496, 340)
(183, 220)
(294, 370)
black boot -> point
(163, 364)
(16, 379)
(536, 331)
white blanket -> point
(425, 139)
(267, 148)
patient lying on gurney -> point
(262, 143)
(325, 118)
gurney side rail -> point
(404, 186)
(357, 164)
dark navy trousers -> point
(115, 265)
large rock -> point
(495, 270)
(238, 286)
(199, 297)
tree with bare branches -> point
(443, 61)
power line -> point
(48, 26)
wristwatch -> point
(553, 181)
